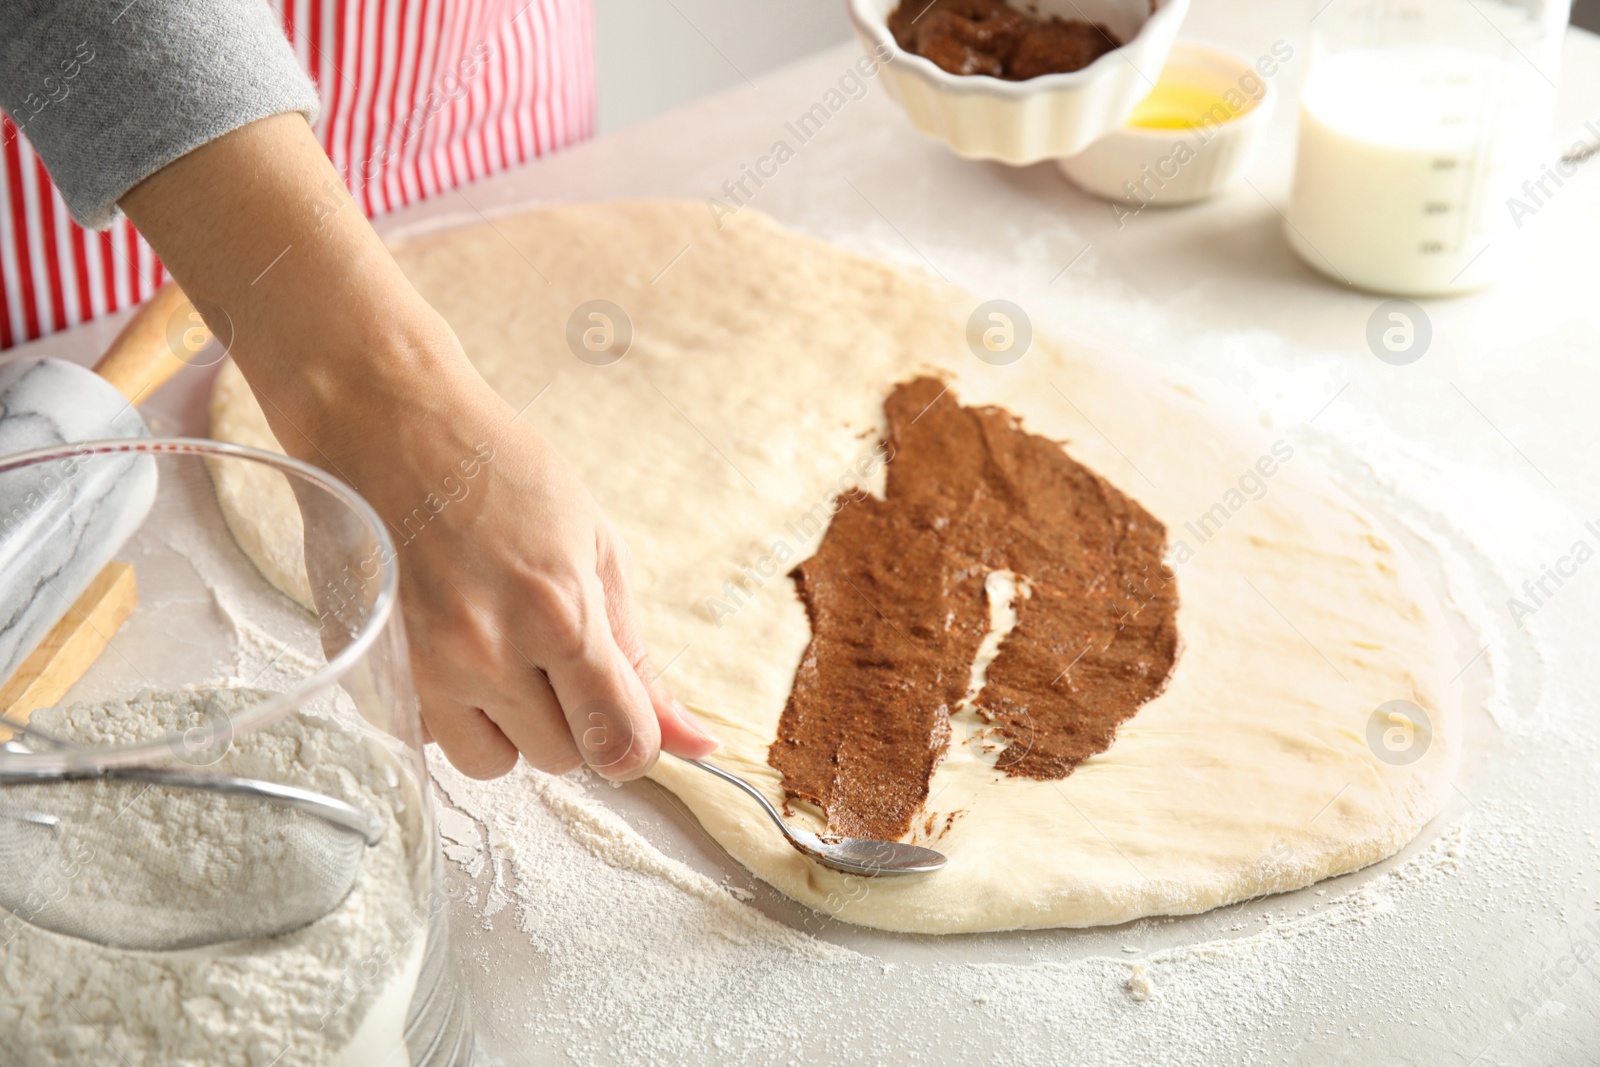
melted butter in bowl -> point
(1194, 135)
(1177, 103)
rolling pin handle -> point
(142, 357)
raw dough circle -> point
(257, 502)
(752, 394)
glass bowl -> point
(171, 650)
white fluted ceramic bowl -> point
(1047, 117)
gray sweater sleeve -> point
(110, 91)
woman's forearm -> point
(264, 238)
(522, 631)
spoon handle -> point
(734, 779)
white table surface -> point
(1505, 400)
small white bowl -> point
(1142, 165)
(1047, 117)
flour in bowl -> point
(333, 992)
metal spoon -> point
(852, 855)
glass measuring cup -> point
(216, 672)
(1418, 121)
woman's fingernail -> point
(694, 724)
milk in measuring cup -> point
(1406, 158)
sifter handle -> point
(141, 358)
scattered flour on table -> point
(632, 957)
(255, 644)
(297, 999)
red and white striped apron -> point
(418, 96)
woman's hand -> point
(515, 588)
(515, 591)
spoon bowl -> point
(850, 855)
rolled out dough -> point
(752, 394)
(257, 502)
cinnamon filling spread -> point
(896, 598)
(991, 37)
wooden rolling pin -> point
(138, 361)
